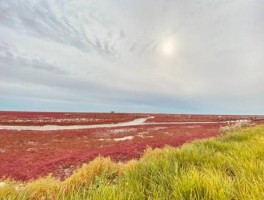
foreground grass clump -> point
(228, 167)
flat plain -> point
(58, 143)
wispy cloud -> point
(105, 55)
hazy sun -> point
(168, 47)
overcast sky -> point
(175, 56)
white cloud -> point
(112, 52)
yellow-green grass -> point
(228, 167)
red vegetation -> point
(27, 155)
(203, 118)
(56, 118)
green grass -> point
(228, 167)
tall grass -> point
(228, 167)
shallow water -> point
(138, 121)
(135, 122)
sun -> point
(168, 47)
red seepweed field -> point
(27, 153)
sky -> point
(165, 56)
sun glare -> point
(168, 47)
